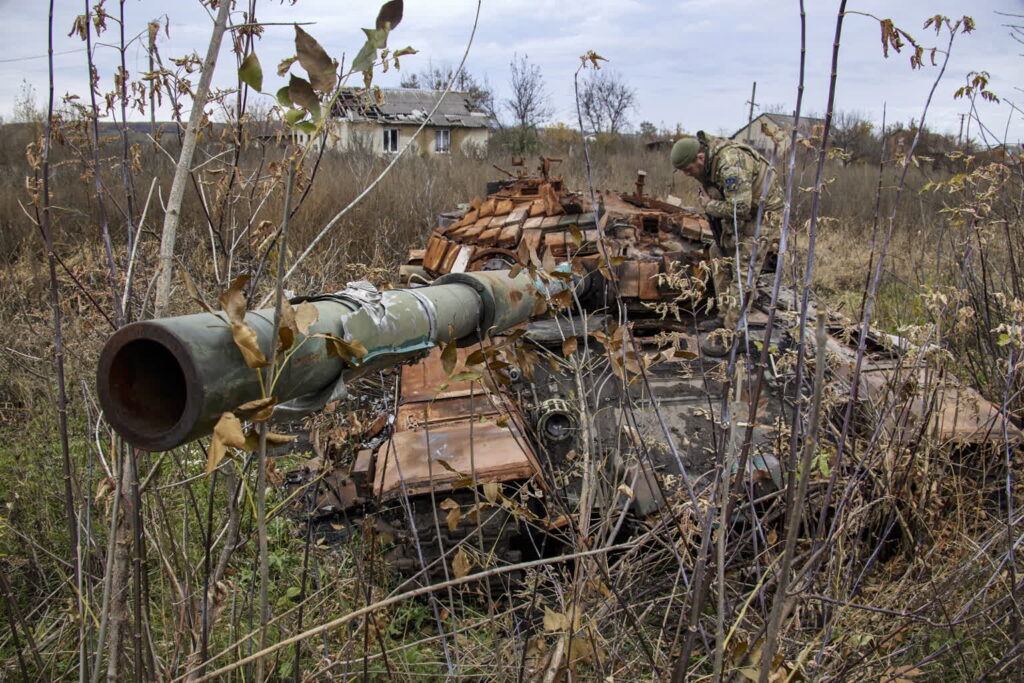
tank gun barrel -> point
(165, 382)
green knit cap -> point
(684, 152)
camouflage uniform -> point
(734, 177)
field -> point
(881, 560)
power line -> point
(25, 59)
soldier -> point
(732, 177)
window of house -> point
(443, 141)
(390, 139)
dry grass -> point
(916, 573)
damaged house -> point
(767, 130)
(383, 120)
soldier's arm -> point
(735, 177)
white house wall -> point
(369, 136)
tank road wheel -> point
(493, 259)
(448, 525)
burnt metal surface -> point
(446, 431)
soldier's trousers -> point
(724, 268)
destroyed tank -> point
(550, 379)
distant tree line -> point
(606, 101)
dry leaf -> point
(301, 93)
(569, 346)
(390, 15)
(453, 518)
(349, 351)
(461, 564)
(555, 621)
(449, 356)
(315, 60)
(491, 491)
(233, 299)
(105, 487)
(287, 328)
(306, 315)
(247, 342)
(261, 409)
(252, 440)
(454, 512)
(227, 432)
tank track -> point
(495, 541)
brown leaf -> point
(569, 346)
(233, 300)
(275, 439)
(449, 356)
(190, 287)
(390, 15)
(227, 432)
(306, 315)
(548, 261)
(461, 564)
(104, 488)
(563, 299)
(491, 491)
(349, 351)
(285, 65)
(261, 409)
(555, 621)
(302, 94)
(577, 236)
(252, 440)
(453, 518)
(247, 342)
(287, 327)
(317, 63)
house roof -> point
(783, 121)
(408, 106)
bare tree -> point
(606, 100)
(854, 134)
(529, 103)
(171, 217)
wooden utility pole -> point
(960, 136)
(752, 103)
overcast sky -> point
(691, 62)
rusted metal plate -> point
(509, 236)
(517, 216)
(362, 469)
(648, 280)
(424, 380)
(939, 410)
(489, 236)
(448, 407)
(480, 449)
(450, 255)
(436, 248)
(629, 279)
